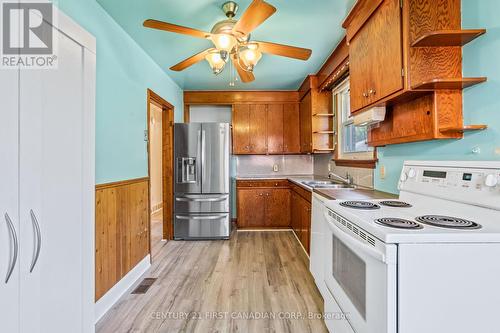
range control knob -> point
(404, 177)
(412, 173)
(491, 180)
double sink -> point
(327, 184)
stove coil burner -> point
(360, 205)
(398, 223)
(393, 203)
(447, 222)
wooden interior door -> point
(306, 124)
(241, 129)
(258, 128)
(275, 126)
(291, 129)
(251, 207)
(277, 208)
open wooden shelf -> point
(323, 115)
(449, 83)
(447, 38)
(324, 132)
(467, 128)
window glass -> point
(353, 139)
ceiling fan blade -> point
(256, 13)
(244, 75)
(285, 50)
(190, 61)
(154, 24)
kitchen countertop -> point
(359, 193)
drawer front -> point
(263, 183)
(202, 226)
(201, 203)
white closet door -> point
(9, 196)
(54, 168)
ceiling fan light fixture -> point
(215, 61)
(250, 56)
(224, 42)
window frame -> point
(364, 159)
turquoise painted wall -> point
(481, 103)
(124, 72)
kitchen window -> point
(352, 140)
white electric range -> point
(428, 262)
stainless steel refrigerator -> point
(201, 190)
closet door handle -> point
(38, 238)
(13, 257)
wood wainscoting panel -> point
(122, 230)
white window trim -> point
(339, 125)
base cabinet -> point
(263, 204)
(301, 219)
(274, 204)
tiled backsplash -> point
(362, 177)
(253, 165)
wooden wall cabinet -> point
(265, 204)
(406, 55)
(266, 129)
(376, 57)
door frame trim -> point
(167, 120)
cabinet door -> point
(275, 129)
(258, 129)
(291, 129)
(305, 224)
(375, 56)
(278, 208)
(386, 50)
(251, 207)
(9, 205)
(306, 124)
(57, 192)
(241, 129)
(359, 69)
(295, 213)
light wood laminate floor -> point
(256, 282)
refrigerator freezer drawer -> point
(201, 226)
(201, 203)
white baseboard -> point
(107, 301)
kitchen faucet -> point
(348, 180)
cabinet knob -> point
(372, 92)
(365, 94)
(260, 194)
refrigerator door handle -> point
(203, 155)
(207, 217)
(201, 199)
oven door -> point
(360, 274)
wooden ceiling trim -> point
(339, 57)
(239, 97)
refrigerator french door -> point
(201, 190)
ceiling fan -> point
(231, 39)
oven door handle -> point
(351, 241)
